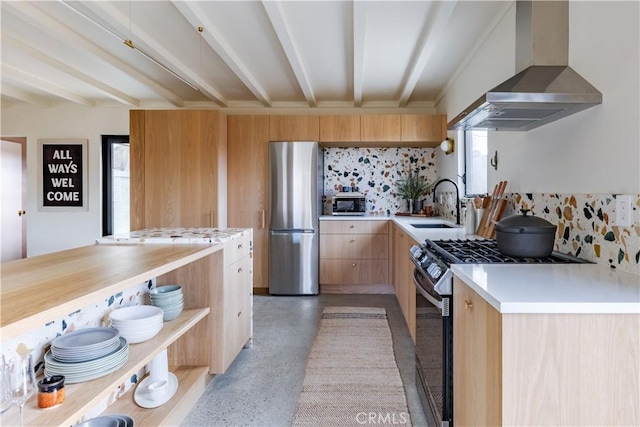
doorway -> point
(13, 220)
(115, 184)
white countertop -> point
(176, 235)
(553, 288)
(417, 234)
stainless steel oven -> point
(434, 335)
(434, 312)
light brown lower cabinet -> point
(354, 252)
(237, 293)
(353, 271)
(543, 369)
(403, 276)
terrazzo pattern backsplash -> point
(375, 172)
(586, 226)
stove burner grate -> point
(486, 252)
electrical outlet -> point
(623, 210)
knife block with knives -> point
(493, 206)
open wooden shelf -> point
(82, 397)
(192, 381)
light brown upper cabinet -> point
(340, 128)
(380, 128)
(178, 168)
(424, 128)
(294, 128)
(248, 174)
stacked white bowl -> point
(137, 323)
(169, 298)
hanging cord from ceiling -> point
(128, 42)
(200, 30)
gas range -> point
(433, 259)
(486, 252)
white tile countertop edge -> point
(553, 288)
(176, 235)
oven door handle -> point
(426, 294)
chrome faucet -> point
(457, 197)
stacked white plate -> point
(86, 354)
(84, 345)
(137, 323)
(170, 299)
(116, 420)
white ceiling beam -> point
(21, 76)
(196, 17)
(163, 55)
(359, 36)
(17, 94)
(278, 21)
(29, 13)
(506, 6)
(434, 32)
(66, 68)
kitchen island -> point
(216, 322)
(546, 345)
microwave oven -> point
(349, 204)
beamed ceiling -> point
(249, 54)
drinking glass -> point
(22, 379)
(5, 388)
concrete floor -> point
(262, 386)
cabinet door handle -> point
(353, 240)
(352, 226)
(263, 218)
(468, 305)
(354, 264)
(239, 313)
(210, 219)
(240, 246)
(239, 270)
(21, 212)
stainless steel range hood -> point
(546, 89)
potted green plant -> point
(413, 187)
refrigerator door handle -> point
(285, 232)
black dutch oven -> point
(525, 236)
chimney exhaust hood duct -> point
(545, 88)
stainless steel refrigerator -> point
(295, 203)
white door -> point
(11, 210)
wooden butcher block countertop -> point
(40, 289)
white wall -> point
(594, 151)
(54, 231)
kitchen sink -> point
(431, 225)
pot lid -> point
(525, 224)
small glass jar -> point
(50, 391)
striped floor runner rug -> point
(352, 377)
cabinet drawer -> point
(236, 249)
(237, 309)
(353, 272)
(353, 227)
(354, 246)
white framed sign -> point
(62, 174)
